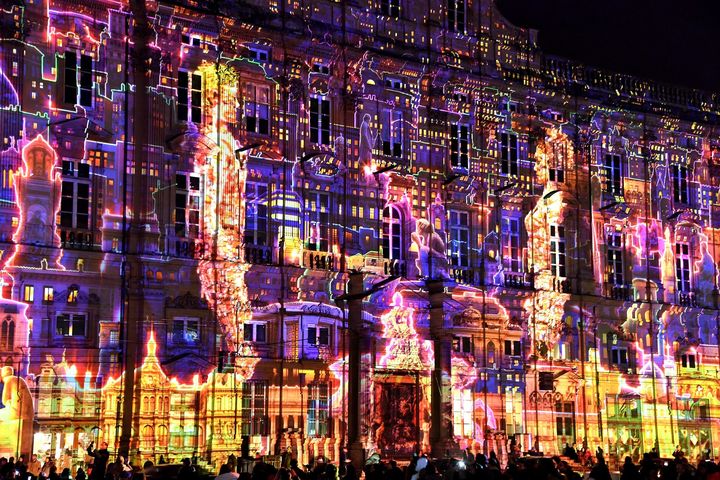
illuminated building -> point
(187, 198)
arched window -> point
(148, 436)
(7, 334)
(491, 354)
(392, 233)
(162, 436)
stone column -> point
(356, 334)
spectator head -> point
(225, 468)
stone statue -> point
(367, 142)
(432, 259)
(16, 418)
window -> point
(513, 348)
(463, 412)
(75, 204)
(512, 250)
(255, 332)
(318, 410)
(557, 250)
(459, 247)
(29, 293)
(393, 133)
(615, 267)
(114, 338)
(317, 226)
(392, 234)
(186, 330)
(48, 295)
(688, 360)
(189, 96)
(257, 109)
(390, 8)
(70, 325)
(612, 168)
(456, 15)
(394, 83)
(460, 146)
(680, 183)
(564, 419)
(318, 336)
(187, 205)
(72, 295)
(71, 86)
(463, 344)
(7, 334)
(86, 80)
(508, 153)
(619, 356)
(322, 68)
(256, 214)
(254, 408)
(261, 54)
(320, 120)
(682, 267)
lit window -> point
(320, 120)
(392, 233)
(318, 410)
(114, 337)
(459, 246)
(29, 293)
(72, 296)
(48, 294)
(557, 250)
(7, 334)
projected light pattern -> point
(213, 178)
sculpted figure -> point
(16, 418)
(432, 260)
(367, 142)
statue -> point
(432, 260)
(16, 418)
(367, 142)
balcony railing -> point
(515, 280)
(619, 292)
(315, 260)
(687, 299)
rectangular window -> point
(390, 8)
(615, 265)
(72, 295)
(86, 80)
(680, 183)
(619, 356)
(255, 332)
(393, 133)
(260, 54)
(256, 214)
(318, 336)
(460, 146)
(318, 410)
(459, 247)
(70, 325)
(114, 337)
(508, 153)
(463, 425)
(513, 348)
(317, 221)
(557, 250)
(688, 361)
(682, 267)
(612, 168)
(29, 293)
(392, 234)
(257, 109)
(254, 408)
(189, 96)
(71, 86)
(463, 344)
(186, 331)
(48, 295)
(456, 15)
(512, 249)
(187, 204)
(320, 120)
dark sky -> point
(675, 41)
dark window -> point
(615, 265)
(392, 234)
(257, 109)
(612, 168)
(680, 183)
(86, 80)
(557, 250)
(456, 15)
(393, 134)
(508, 153)
(512, 249)
(460, 146)
(254, 408)
(390, 8)
(320, 120)
(71, 86)
(318, 410)
(459, 247)
(71, 325)
(682, 267)
(318, 336)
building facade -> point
(188, 189)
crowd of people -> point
(574, 465)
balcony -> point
(686, 299)
(619, 292)
(315, 260)
(76, 240)
(465, 276)
(515, 280)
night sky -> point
(675, 41)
